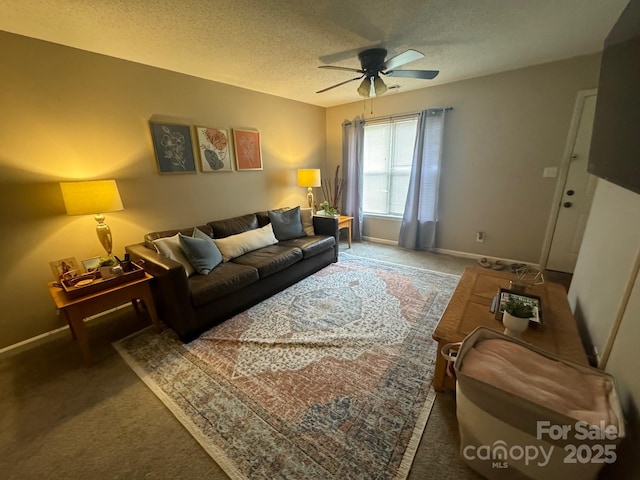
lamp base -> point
(104, 234)
(310, 200)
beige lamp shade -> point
(309, 177)
(93, 197)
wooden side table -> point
(77, 309)
(345, 222)
(469, 307)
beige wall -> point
(503, 131)
(603, 277)
(69, 114)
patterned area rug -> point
(330, 378)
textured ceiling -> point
(275, 46)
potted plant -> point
(332, 192)
(516, 317)
(325, 209)
(106, 265)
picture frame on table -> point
(64, 266)
(173, 148)
(214, 148)
(504, 295)
(246, 144)
(91, 265)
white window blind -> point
(387, 158)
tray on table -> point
(73, 290)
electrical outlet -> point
(480, 237)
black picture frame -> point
(173, 148)
(504, 295)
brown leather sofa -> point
(191, 305)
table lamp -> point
(94, 197)
(309, 177)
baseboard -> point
(33, 342)
(456, 253)
(384, 241)
(49, 336)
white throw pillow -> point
(235, 245)
(170, 248)
(306, 216)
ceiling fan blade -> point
(331, 67)
(402, 59)
(341, 83)
(424, 74)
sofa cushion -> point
(306, 217)
(222, 280)
(150, 237)
(170, 247)
(286, 224)
(269, 260)
(234, 226)
(235, 245)
(311, 246)
(201, 251)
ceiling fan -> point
(373, 64)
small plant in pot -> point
(327, 210)
(516, 317)
(106, 264)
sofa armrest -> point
(328, 226)
(154, 263)
(170, 287)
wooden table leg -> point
(349, 232)
(440, 371)
(147, 297)
(76, 323)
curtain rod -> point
(405, 115)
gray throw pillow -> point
(201, 251)
(286, 224)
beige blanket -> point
(559, 387)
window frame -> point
(392, 165)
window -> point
(387, 154)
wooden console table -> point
(77, 309)
(469, 308)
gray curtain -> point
(420, 217)
(352, 148)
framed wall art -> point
(214, 149)
(172, 144)
(247, 147)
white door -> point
(577, 195)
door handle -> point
(567, 204)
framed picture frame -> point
(64, 266)
(504, 295)
(173, 148)
(247, 147)
(214, 149)
(91, 264)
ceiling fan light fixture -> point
(379, 85)
(371, 89)
(365, 88)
